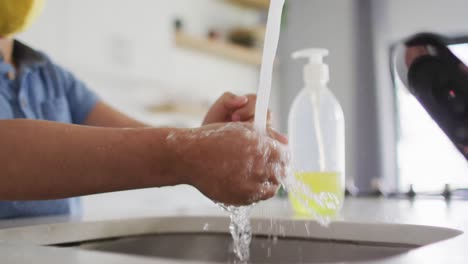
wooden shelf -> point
(261, 4)
(219, 48)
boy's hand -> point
(230, 163)
(232, 108)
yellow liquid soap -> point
(318, 182)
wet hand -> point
(232, 163)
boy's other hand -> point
(232, 108)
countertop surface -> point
(169, 203)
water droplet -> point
(307, 228)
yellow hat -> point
(17, 15)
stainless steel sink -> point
(205, 239)
(216, 248)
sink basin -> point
(215, 248)
(205, 239)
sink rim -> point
(66, 233)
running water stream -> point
(240, 226)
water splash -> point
(241, 231)
(304, 195)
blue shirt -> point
(41, 90)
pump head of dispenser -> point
(315, 70)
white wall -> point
(394, 20)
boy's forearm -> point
(104, 115)
(45, 160)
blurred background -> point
(165, 62)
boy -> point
(58, 140)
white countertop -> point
(170, 202)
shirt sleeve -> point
(81, 99)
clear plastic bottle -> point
(317, 139)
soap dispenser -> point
(317, 141)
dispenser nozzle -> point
(315, 56)
(316, 70)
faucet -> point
(439, 81)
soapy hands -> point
(249, 165)
(231, 163)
